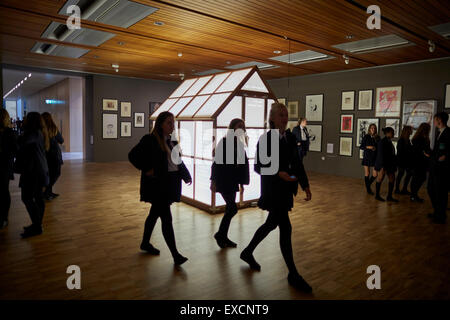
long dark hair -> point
(423, 132)
(35, 123)
(50, 124)
(157, 130)
(406, 133)
(5, 120)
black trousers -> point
(5, 198)
(401, 172)
(230, 211)
(33, 198)
(161, 210)
(280, 219)
(419, 175)
(54, 172)
(438, 189)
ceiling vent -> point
(374, 44)
(260, 65)
(302, 57)
(58, 50)
(442, 29)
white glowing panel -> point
(197, 86)
(231, 111)
(193, 106)
(203, 139)
(164, 107)
(253, 137)
(177, 107)
(269, 106)
(254, 112)
(233, 81)
(255, 83)
(220, 201)
(214, 83)
(188, 191)
(187, 137)
(202, 181)
(184, 86)
(211, 106)
(253, 190)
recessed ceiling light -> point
(228, 62)
(115, 66)
(120, 43)
(277, 51)
(349, 36)
(180, 54)
(158, 23)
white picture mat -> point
(365, 99)
(345, 146)
(110, 105)
(141, 123)
(125, 109)
(388, 102)
(348, 100)
(109, 126)
(315, 137)
(125, 129)
(314, 107)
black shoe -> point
(179, 260)
(248, 257)
(299, 283)
(416, 199)
(149, 248)
(221, 241)
(370, 192)
(405, 192)
(391, 199)
(230, 244)
(379, 198)
(54, 195)
(31, 232)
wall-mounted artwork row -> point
(363, 128)
(314, 107)
(388, 102)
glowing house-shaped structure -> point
(203, 108)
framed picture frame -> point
(139, 119)
(394, 124)
(418, 111)
(125, 109)
(314, 107)
(388, 102)
(362, 128)
(361, 154)
(447, 96)
(110, 105)
(365, 99)
(346, 146)
(346, 123)
(315, 137)
(348, 100)
(125, 129)
(109, 124)
(282, 100)
(293, 109)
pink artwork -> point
(388, 102)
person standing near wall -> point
(301, 134)
(421, 154)
(54, 155)
(277, 192)
(404, 156)
(369, 147)
(8, 149)
(160, 181)
(439, 170)
(31, 163)
(229, 178)
(386, 164)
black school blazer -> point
(147, 155)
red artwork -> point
(347, 123)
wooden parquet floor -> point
(97, 224)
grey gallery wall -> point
(423, 80)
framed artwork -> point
(447, 97)
(293, 109)
(394, 124)
(348, 100)
(315, 137)
(314, 107)
(109, 126)
(125, 129)
(292, 124)
(365, 99)
(388, 102)
(345, 146)
(110, 105)
(416, 112)
(125, 109)
(361, 154)
(346, 123)
(153, 106)
(362, 128)
(139, 119)
(282, 100)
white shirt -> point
(302, 130)
(172, 167)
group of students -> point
(161, 185)
(414, 158)
(37, 157)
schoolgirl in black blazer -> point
(386, 164)
(369, 147)
(229, 178)
(160, 181)
(278, 191)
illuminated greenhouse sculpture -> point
(203, 107)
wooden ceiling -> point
(212, 34)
